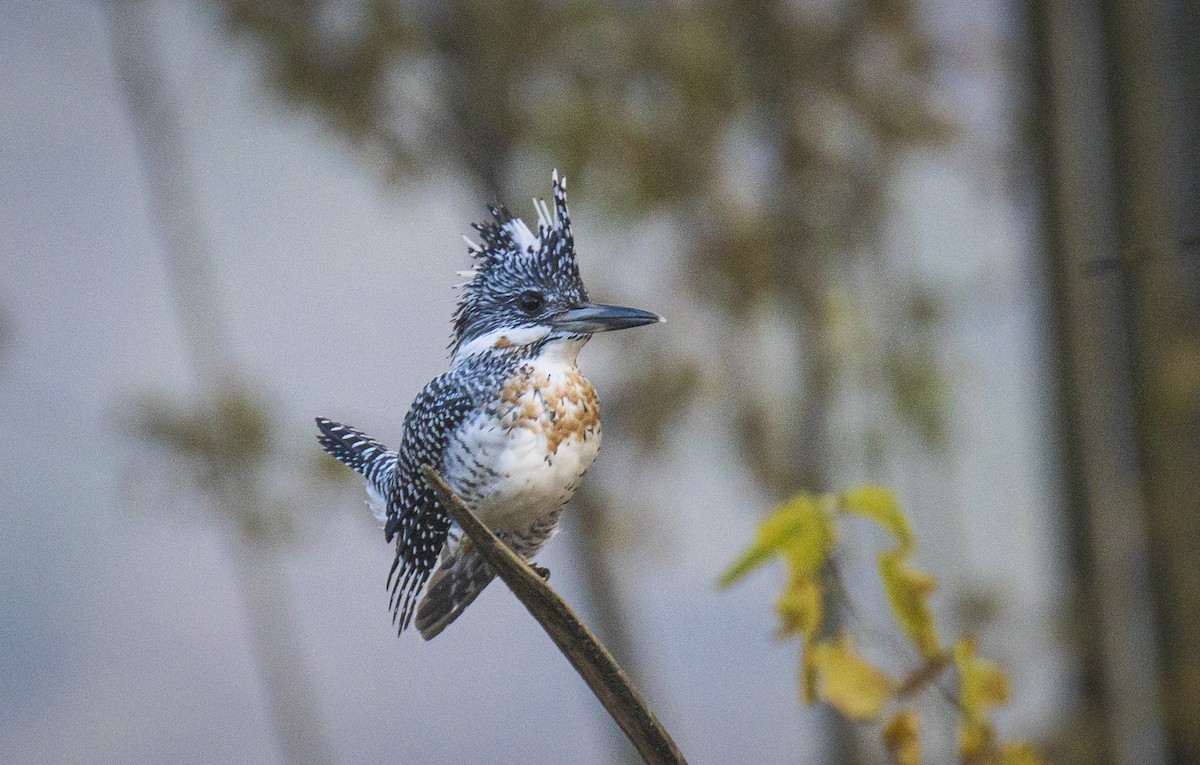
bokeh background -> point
(950, 247)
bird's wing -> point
(414, 516)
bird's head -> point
(525, 288)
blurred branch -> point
(593, 521)
(592, 537)
(590, 659)
(225, 436)
(161, 148)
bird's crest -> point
(512, 259)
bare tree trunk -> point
(272, 626)
(1101, 467)
(1164, 333)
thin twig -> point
(590, 659)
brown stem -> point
(590, 659)
(923, 676)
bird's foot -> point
(541, 571)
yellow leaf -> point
(797, 529)
(902, 737)
(907, 592)
(1020, 753)
(974, 741)
(880, 505)
(807, 551)
(799, 608)
(982, 685)
(850, 683)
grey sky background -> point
(123, 636)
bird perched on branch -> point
(511, 427)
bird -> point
(512, 426)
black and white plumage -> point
(512, 426)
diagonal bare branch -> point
(591, 659)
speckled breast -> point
(522, 456)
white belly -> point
(517, 466)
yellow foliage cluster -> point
(803, 531)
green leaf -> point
(797, 529)
(848, 682)
(982, 685)
(801, 608)
(908, 593)
(880, 505)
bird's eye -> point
(531, 302)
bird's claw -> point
(541, 571)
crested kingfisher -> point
(512, 426)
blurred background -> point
(950, 247)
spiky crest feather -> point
(511, 254)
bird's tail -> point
(364, 455)
(356, 450)
(460, 577)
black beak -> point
(589, 318)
